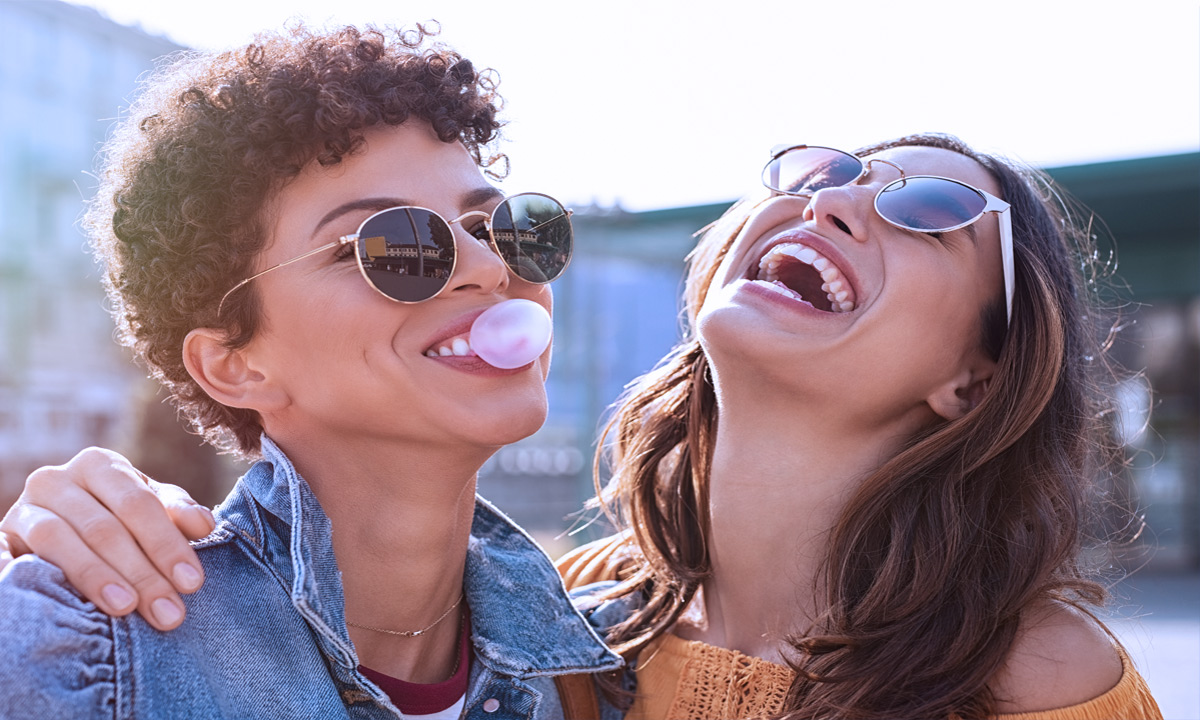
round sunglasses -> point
(408, 254)
(921, 203)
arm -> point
(58, 649)
(119, 537)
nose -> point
(847, 209)
(479, 268)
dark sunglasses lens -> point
(803, 171)
(929, 204)
(406, 253)
(533, 234)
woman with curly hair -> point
(298, 238)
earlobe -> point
(226, 374)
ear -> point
(228, 375)
(960, 394)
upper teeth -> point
(460, 346)
(836, 287)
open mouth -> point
(801, 272)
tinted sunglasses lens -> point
(406, 253)
(929, 204)
(533, 234)
(804, 171)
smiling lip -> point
(821, 246)
(475, 365)
(459, 326)
(472, 364)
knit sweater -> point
(680, 679)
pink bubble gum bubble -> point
(511, 334)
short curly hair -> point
(179, 215)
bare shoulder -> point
(1061, 657)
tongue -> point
(791, 292)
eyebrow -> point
(472, 198)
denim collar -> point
(522, 620)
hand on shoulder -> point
(1061, 657)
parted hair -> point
(186, 179)
(937, 553)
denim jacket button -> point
(491, 705)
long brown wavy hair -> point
(939, 552)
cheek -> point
(545, 298)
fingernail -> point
(186, 576)
(117, 597)
(165, 611)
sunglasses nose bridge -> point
(868, 166)
(486, 217)
(479, 264)
(844, 207)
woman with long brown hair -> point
(862, 484)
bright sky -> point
(661, 104)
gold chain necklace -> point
(412, 633)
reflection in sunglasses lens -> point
(533, 235)
(929, 204)
(407, 253)
(807, 170)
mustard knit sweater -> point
(680, 679)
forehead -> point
(916, 160)
(409, 159)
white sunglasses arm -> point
(1004, 214)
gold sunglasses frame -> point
(488, 217)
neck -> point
(401, 518)
(782, 472)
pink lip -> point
(466, 363)
(818, 243)
(459, 326)
(473, 365)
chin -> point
(513, 422)
(753, 358)
(732, 333)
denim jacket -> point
(266, 636)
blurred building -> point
(1150, 211)
(65, 74)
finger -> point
(80, 517)
(10, 542)
(193, 519)
(140, 543)
(144, 516)
(56, 542)
(123, 490)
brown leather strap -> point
(578, 696)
